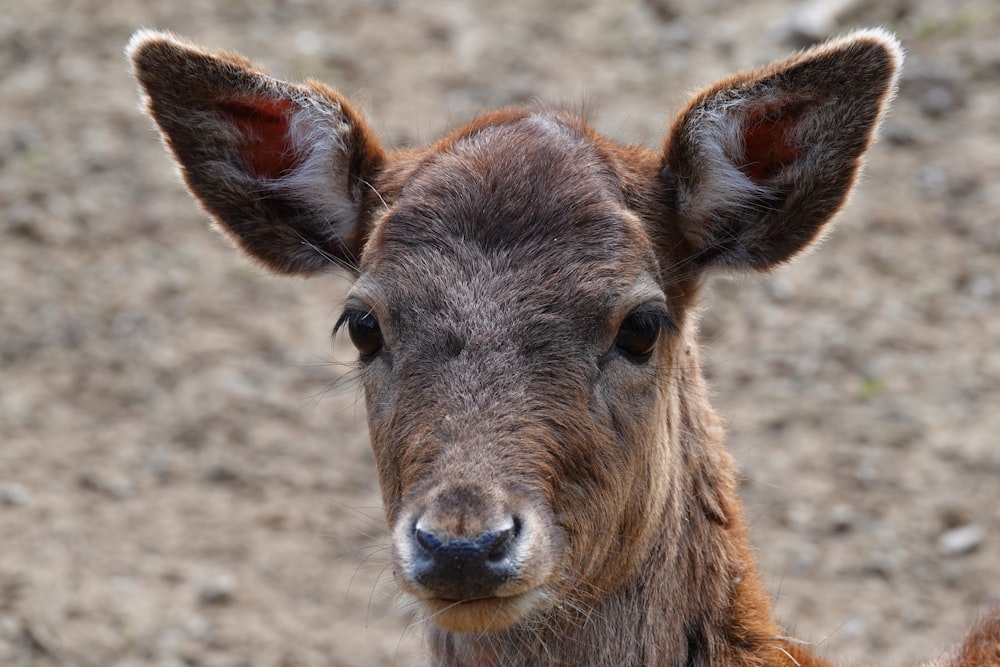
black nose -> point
(463, 568)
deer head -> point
(524, 314)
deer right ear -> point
(282, 168)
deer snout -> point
(477, 558)
(464, 567)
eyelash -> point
(364, 330)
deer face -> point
(512, 331)
(522, 297)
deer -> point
(525, 307)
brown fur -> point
(553, 475)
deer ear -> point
(759, 163)
(281, 167)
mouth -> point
(481, 614)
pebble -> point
(938, 90)
(961, 541)
(197, 627)
(938, 101)
(114, 488)
(814, 20)
(222, 473)
(217, 591)
(804, 559)
(855, 627)
(13, 495)
(899, 135)
(841, 519)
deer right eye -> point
(364, 330)
(639, 332)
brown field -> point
(184, 471)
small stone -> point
(197, 627)
(938, 89)
(160, 467)
(114, 488)
(841, 519)
(885, 563)
(218, 591)
(961, 541)
(8, 628)
(804, 559)
(222, 473)
(898, 135)
(815, 20)
(953, 516)
(938, 100)
(854, 627)
(799, 516)
(13, 495)
(665, 10)
(779, 288)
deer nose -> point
(464, 568)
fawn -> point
(525, 315)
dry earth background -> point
(184, 481)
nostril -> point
(427, 541)
(498, 551)
(500, 547)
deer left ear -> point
(759, 163)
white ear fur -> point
(318, 135)
(721, 185)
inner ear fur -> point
(757, 164)
(282, 168)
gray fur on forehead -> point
(512, 186)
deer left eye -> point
(364, 330)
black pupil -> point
(638, 334)
(365, 333)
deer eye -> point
(364, 330)
(638, 333)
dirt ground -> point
(184, 471)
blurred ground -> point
(184, 481)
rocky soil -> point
(184, 471)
